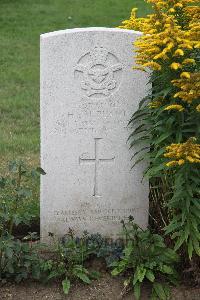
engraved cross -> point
(96, 161)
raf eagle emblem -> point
(98, 72)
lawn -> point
(21, 23)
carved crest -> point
(98, 69)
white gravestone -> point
(88, 94)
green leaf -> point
(160, 152)
(139, 274)
(154, 170)
(83, 277)
(139, 151)
(145, 99)
(162, 137)
(196, 245)
(116, 271)
(9, 252)
(53, 274)
(196, 203)
(171, 227)
(2, 182)
(137, 290)
(166, 269)
(172, 255)
(190, 248)
(180, 241)
(95, 275)
(141, 140)
(17, 219)
(40, 171)
(128, 250)
(150, 275)
(167, 291)
(66, 286)
(153, 295)
(121, 266)
(137, 162)
(159, 291)
(138, 114)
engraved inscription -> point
(95, 215)
(98, 68)
(87, 117)
(96, 161)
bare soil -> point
(106, 288)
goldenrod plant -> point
(168, 119)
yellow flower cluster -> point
(175, 66)
(198, 108)
(174, 107)
(133, 22)
(193, 13)
(181, 153)
(170, 4)
(158, 42)
(189, 85)
(154, 104)
(167, 40)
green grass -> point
(21, 23)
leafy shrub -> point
(69, 261)
(101, 247)
(146, 257)
(14, 196)
(96, 245)
(168, 118)
(20, 260)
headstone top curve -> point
(88, 29)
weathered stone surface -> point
(88, 93)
